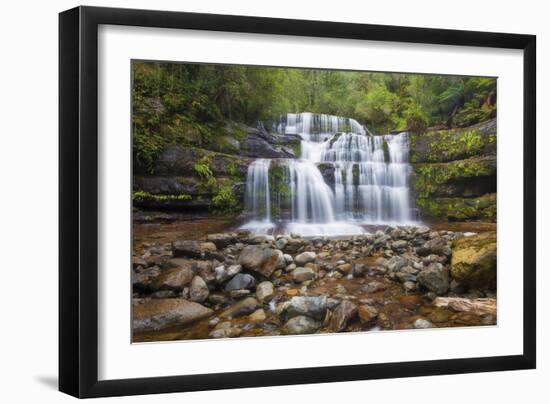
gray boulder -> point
(241, 281)
(435, 278)
(156, 314)
(301, 325)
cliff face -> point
(454, 173)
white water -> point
(370, 184)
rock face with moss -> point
(455, 171)
(194, 178)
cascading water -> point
(369, 183)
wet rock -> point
(344, 268)
(288, 259)
(434, 278)
(173, 279)
(264, 291)
(281, 243)
(290, 267)
(245, 306)
(305, 257)
(138, 262)
(301, 325)
(261, 260)
(156, 314)
(474, 261)
(222, 240)
(342, 315)
(198, 291)
(373, 287)
(217, 298)
(303, 274)
(258, 315)
(437, 246)
(367, 313)
(241, 281)
(480, 306)
(422, 324)
(294, 244)
(230, 332)
(311, 306)
(192, 249)
(433, 258)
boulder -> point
(198, 291)
(474, 261)
(156, 314)
(264, 291)
(261, 260)
(173, 279)
(435, 278)
(311, 306)
(241, 281)
(342, 315)
(301, 325)
(305, 257)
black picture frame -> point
(78, 200)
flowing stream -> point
(344, 179)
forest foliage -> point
(192, 103)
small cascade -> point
(369, 184)
(258, 198)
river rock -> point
(193, 249)
(241, 281)
(221, 240)
(311, 306)
(437, 245)
(480, 307)
(264, 291)
(399, 245)
(435, 278)
(198, 291)
(257, 316)
(173, 279)
(262, 260)
(303, 274)
(245, 306)
(143, 278)
(229, 332)
(305, 257)
(422, 324)
(367, 313)
(394, 264)
(156, 314)
(301, 325)
(342, 315)
(474, 261)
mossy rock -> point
(474, 261)
(462, 178)
(483, 208)
(454, 144)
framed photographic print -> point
(250, 201)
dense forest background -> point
(192, 103)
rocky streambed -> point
(238, 284)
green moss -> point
(428, 177)
(224, 201)
(279, 189)
(297, 148)
(459, 209)
(140, 196)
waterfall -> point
(258, 198)
(370, 184)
